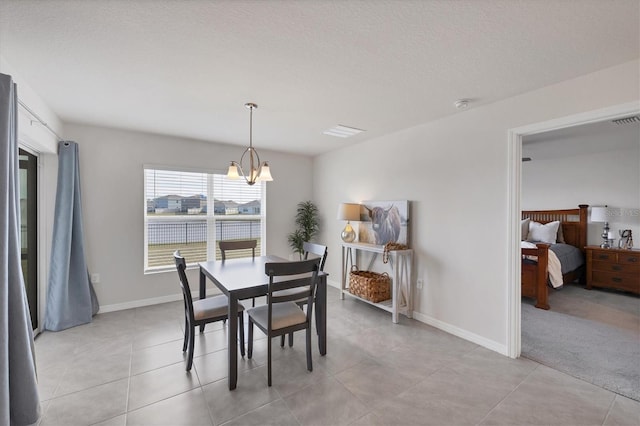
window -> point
(191, 211)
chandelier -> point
(257, 171)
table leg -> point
(203, 291)
(343, 273)
(232, 320)
(203, 284)
(321, 314)
(395, 299)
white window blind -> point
(190, 211)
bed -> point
(572, 230)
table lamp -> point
(601, 214)
(348, 212)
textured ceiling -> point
(186, 68)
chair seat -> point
(212, 307)
(282, 315)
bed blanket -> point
(554, 269)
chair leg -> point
(241, 330)
(290, 339)
(282, 341)
(317, 320)
(186, 334)
(250, 340)
(309, 362)
(269, 360)
(190, 351)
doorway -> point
(29, 229)
(514, 331)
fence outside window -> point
(166, 234)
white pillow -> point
(560, 237)
(546, 233)
(524, 229)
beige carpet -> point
(592, 335)
(615, 308)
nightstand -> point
(613, 268)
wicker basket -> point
(369, 285)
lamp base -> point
(605, 236)
(348, 234)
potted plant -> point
(307, 226)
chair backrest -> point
(317, 249)
(303, 273)
(181, 266)
(237, 245)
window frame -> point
(210, 219)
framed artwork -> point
(384, 222)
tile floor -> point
(127, 368)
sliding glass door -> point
(29, 229)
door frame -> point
(43, 240)
(514, 326)
(33, 269)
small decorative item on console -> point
(392, 246)
(626, 240)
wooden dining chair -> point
(282, 315)
(246, 245)
(203, 311)
(226, 246)
(317, 250)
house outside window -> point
(192, 211)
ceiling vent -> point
(340, 131)
(627, 120)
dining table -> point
(245, 278)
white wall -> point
(455, 173)
(597, 178)
(111, 167)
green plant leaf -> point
(307, 226)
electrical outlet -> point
(95, 278)
(419, 284)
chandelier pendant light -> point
(257, 171)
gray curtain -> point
(71, 299)
(19, 401)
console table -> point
(400, 261)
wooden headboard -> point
(573, 222)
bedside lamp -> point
(601, 214)
(348, 212)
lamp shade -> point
(349, 211)
(599, 214)
(232, 173)
(265, 173)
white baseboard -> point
(463, 334)
(139, 303)
(144, 302)
(333, 283)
